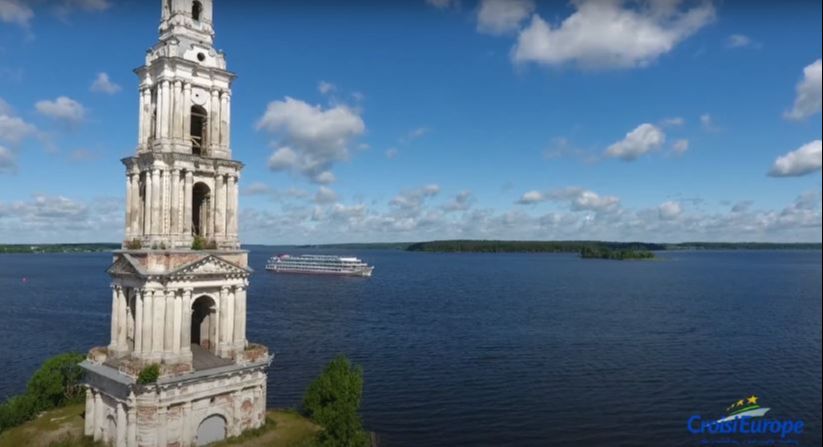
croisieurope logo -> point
(745, 417)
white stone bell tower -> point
(179, 283)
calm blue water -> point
(496, 349)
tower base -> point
(192, 409)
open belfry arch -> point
(179, 285)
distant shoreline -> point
(459, 246)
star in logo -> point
(752, 399)
(739, 403)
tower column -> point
(224, 119)
(158, 111)
(145, 114)
(187, 205)
(223, 325)
(141, 121)
(159, 311)
(177, 134)
(138, 321)
(239, 336)
(115, 314)
(231, 212)
(214, 121)
(185, 341)
(168, 327)
(148, 317)
(175, 198)
(187, 113)
(147, 203)
(88, 426)
(121, 425)
(220, 206)
(165, 122)
(98, 416)
(177, 326)
(122, 319)
(134, 221)
(156, 223)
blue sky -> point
(433, 119)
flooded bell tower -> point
(179, 283)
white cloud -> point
(45, 219)
(325, 195)
(62, 109)
(104, 85)
(7, 160)
(392, 153)
(707, 122)
(15, 11)
(680, 146)
(807, 101)
(611, 34)
(669, 210)
(325, 87)
(256, 189)
(13, 129)
(531, 197)
(805, 160)
(413, 200)
(443, 4)
(502, 16)
(311, 138)
(646, 137)
(675, 121)
(461, 202)
(579, 199)
(738, 41)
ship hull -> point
(365, 273)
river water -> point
(497, 349)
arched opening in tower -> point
(199, 121)
(201, 198)
(196, 10)
(202, 324)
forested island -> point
(58, 248)
(615, 255)
(497, 246)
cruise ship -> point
(319, 264)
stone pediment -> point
(210, 266)
(126, 265)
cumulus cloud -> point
(802, 161)
(674, 121)
(44, 218)
(579, 199)
(62, 109)
(502, 16)
(15, 11)
(461, 202)
(680, 146)
(807, 99)
(7, 160)
(13, 129)
(65, 7)
(738, 41)
(611, 34)
(707, 123)
(311, 138)
(646, 137)
(669, 210)
(325, 87)
(325, 195)
(413, 199)
(102, 84)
